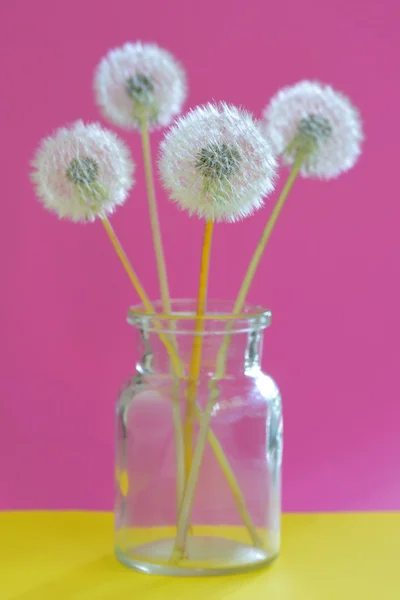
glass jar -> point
(199, 445)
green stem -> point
(256, 258)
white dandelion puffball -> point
(216, 163)
(82, 172)
(319, 121)
(140, 82)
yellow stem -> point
(127, 265)
(142, 294)
(195, 362)
(165, 296)
(154, 220)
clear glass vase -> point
(199, 445)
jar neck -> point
(222, 341)
(222, 354)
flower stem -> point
(127, 265)
(179, 445)
(229, 474)
(165, 299)
(187, 503)
(255, 261)
(256, 258)
(154, 220)
(190, 489)
(195, 362)
(142, 294)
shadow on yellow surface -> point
(69, 555)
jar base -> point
(207, 556)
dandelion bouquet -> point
(199, 425)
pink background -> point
(331, 275)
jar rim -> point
(218, 312)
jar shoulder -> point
(246, 388)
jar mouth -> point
(218, 318)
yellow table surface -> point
(69, 555)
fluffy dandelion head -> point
(82, 172)
(140, 82)
(318, 122)
(215, 163)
